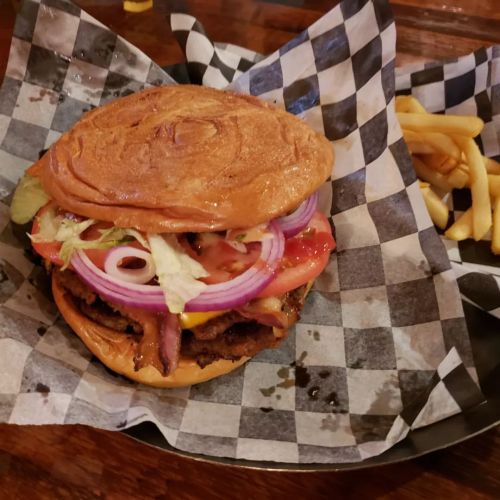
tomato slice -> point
(306, 256)
(49, 250)
(96, 255)
(218, 257)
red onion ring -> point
(139, 276)
(227, 295)
(294, 223)
(170, 342)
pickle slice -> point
(28, 198)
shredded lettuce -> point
(29, 197)
(137, 236)
(70, 236)
(48, 226)
(176, 271)
(53, 227)
(70, 229)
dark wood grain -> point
(80, 462)
(426, 29)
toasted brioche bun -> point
(116, 350)
(185, 158)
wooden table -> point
(80, 462)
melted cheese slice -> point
(190, 320)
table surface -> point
(81, 462)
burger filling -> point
(230, 335)
(206, 296)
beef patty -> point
(228, 336)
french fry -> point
(495, 237)
(492, 166)
(449, 158)
(435, 206)
(481, 204)
(435, 160)
(411, 136)
(494, 185)
(415, 143)
(428, 174)
(431, 142)
(442, 143)
(450, 164)
(458, 178)
(462, 228)
(137, 6)
(468, 126)
(440, 162)
(420, 148)
(408, 104)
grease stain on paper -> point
(43, 389)
(268, 392)
(330, 423)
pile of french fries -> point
(446, 157)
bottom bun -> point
(116, 350)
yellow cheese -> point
(190, 320)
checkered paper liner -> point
(382, 346)
(467, 85)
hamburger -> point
(181, 230)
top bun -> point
(185, 158)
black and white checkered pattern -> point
(468, 85)
(450, 387)
(210, 64)
(382, 318)
(62, 63)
